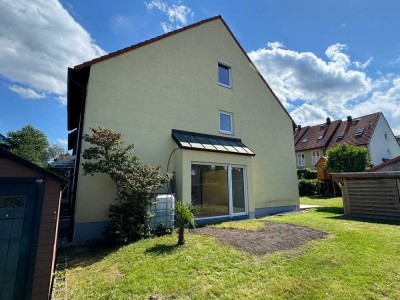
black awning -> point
(208, 142)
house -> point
(311, 142)
(193, 90)
(370, 131)
(29, 212)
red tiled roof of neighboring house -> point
(298, 133)
(364, 125)
(384, 164)
(116, 53)
(317, 136)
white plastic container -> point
(163, 211)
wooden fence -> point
(371, 195)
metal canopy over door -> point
(18, 206)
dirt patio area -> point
(273, 237)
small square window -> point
(224, 75)
(225, 123)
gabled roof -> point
(317, 136)
(298, 133)
(364, 125)
(384, 164)
(7, 154)
(71, 119)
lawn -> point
(359, 260)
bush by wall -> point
(306, 174)
(308, 187)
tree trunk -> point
(181, 236)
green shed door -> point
(18, 201)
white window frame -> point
(315, 158)
(301, 160)
(219, 121)
(230, 193)
(229, 66)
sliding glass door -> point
(218, 190)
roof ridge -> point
(143, 43)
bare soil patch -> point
(273, 237)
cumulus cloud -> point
(333, 86)
(177, 14)
(62, 142)
(39, 40)
(302, 75)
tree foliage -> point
(347, 158)
(135, 181)
(29, 143)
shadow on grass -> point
(86, 255)
(331, 209)
(159, 249)
(323, 197)
(366, 220)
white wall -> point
(379, 145)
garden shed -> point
(29, 212)
(371, 194)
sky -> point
(322, 58)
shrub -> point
(308, 187)
(306, 174)
(348, 158)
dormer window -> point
(224, 74)
(340, 136)
(359, 132)
(320, 137)
(304, 140)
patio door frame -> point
(230, 195)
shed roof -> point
(7, 154)
(384, 164)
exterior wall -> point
(308, 158)
(172, 84)
(379, 146)
(46, 247)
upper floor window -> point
(315, 156)
(301, 160)
(225, 122)
(224, 74)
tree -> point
(29, 143)
(134, 180)
(57, 151)
(347, 158)
(184, 216)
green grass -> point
(360, 260)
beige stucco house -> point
(194, 90)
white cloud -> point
(177, 14)
(335, 87)
(39, 40)
(303, 75)
(63, 142)
(26, 93)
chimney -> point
(298, 127)
(349, 119)
(328, 121)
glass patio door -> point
(218, 190)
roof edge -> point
(146, 42)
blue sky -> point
(322, 58)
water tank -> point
(163, 211)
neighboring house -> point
(389, 165)
(370, 131)
(398, 139)
(3, 141)
(311, 142)
(194, 90)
